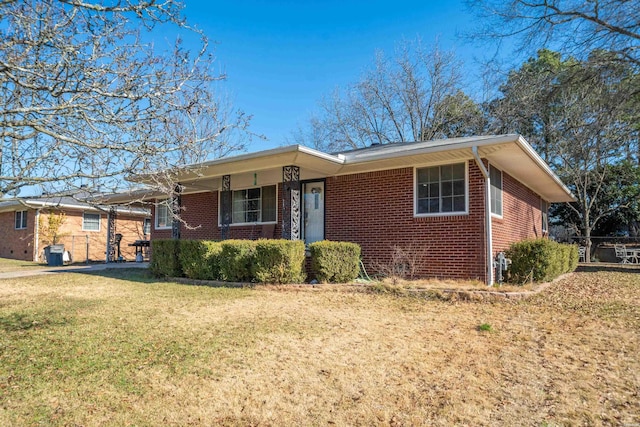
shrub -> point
(335, 262)
(200, 259)
(279, 261)
(574, 257)
(165, 258)
(540, 260)
(236, 259)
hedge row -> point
(264, 261)
(540, 260)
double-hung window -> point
(254, 205)
(163, 218)
(495, 176)
(544, 208)
(441, 190)
(146, 227)
(90, 222)
(21, 220)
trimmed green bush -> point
(335, 262)
(236, 260)
(279, 261)
(574, 257)
(200, 259)
(165, 258)
(540, 260)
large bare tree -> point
(575, 27)
(414, 95)
(88, 95)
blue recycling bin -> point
(54, 255)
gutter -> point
(36, 240)
(487, 214)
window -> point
(544, 208)
(495, 176)
(441, 190)
(21, 220)
(146, 228)
(254, 205)
(163, 216)
(90, 222)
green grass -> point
(485, 327)
(14, 264)
(119, 348)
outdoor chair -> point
(623, 254)
(582, 252)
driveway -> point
(70, 269)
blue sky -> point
(281, 57)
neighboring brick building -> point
(430, 199)
(83, 232)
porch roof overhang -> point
(20, 204)
(510, 153)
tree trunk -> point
(587, 244)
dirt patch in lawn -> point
(94, 350)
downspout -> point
(36, 240)
(487, 214)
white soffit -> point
(296, 155)
(515, 160)
(510, 153)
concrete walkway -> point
(70, 269)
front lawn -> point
(122, 349)
(7, 264)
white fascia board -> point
(256, 155)
(130, 211)
(529, 151)
(426, 147)
(242, 163)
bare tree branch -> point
(86, 98)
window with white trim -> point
(21, 220)
(146, 227)
(254, 205)
(163, 217)
(90, 221)
(495, 176)
(441, 189)
(544, 208)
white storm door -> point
(313, 211)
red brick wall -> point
(81, 243)
(521, 215)
(16, 244)
(375, 210)
(20, 244)
(200, 214)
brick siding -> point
(522, 217)
(20, 244)
(375, 210)
(16, 244)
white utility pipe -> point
(487, 214)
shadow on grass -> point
(140, 275)
(609, 268)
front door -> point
(313, 211)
